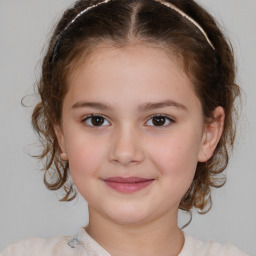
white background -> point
(27, 208)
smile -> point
(127, 185)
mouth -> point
(127, 185)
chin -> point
(128, 216)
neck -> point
(161, 236)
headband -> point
(172, 6)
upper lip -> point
(127, 180)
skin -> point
(128, 143)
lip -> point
(128, 184)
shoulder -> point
(196, 247)
(79, 244)
(37, 246)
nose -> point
(127, 147)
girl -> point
(137, 106)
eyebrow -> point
(141, 108)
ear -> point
(212, 133)
(61, 141)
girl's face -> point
(125, 90)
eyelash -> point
(171, 120)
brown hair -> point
(120, 24)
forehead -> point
(132, 73)
(108, 53)
(105, 60)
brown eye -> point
(94, 120)
(160, 120)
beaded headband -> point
(172, 6)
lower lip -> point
(128, 187)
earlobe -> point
(61, 141)
(64, 156)
(212, 134)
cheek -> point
(85, 158)
(175, 157)
(175, 153)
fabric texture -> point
(82, 244)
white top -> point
(83, 244)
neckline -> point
(91, 245)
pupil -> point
(97, 120)
(159, 120)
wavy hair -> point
(120, 24)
